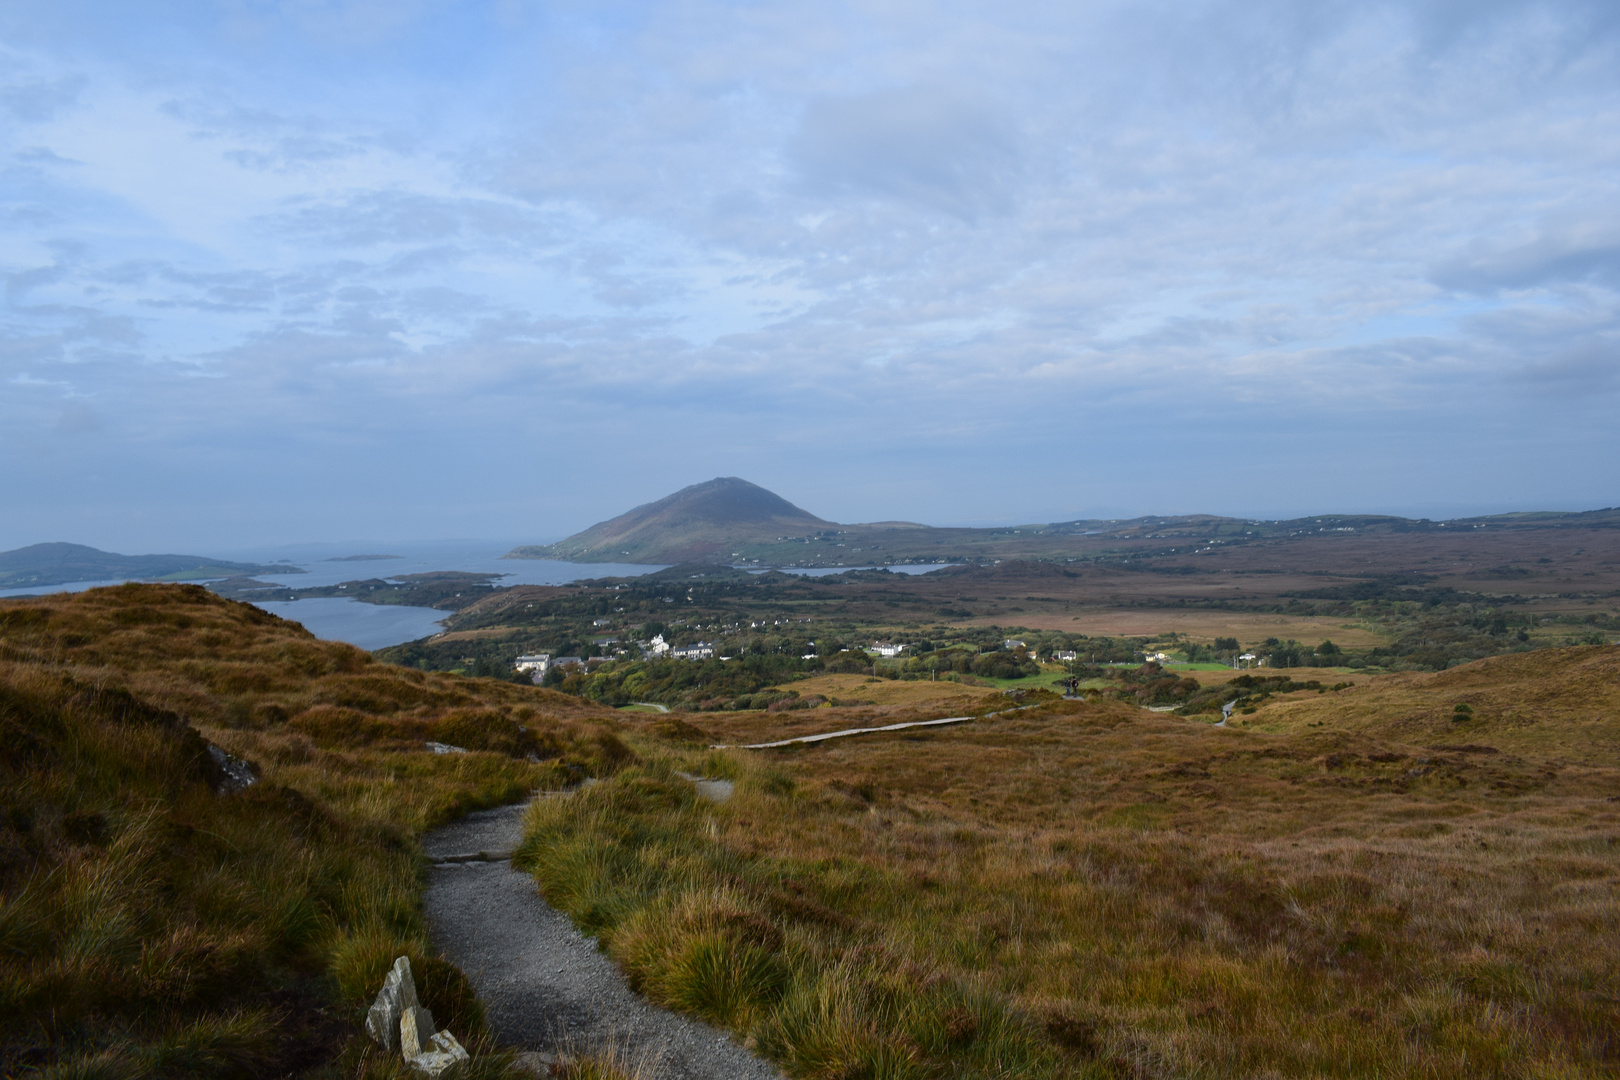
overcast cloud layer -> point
(381, 268)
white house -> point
(602, 622)
(887, 649)
(1012, 643)
(1157, 658)
(540, 663)
(701, 651)
(657, 646)
(1064, 657)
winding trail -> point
(544, 986)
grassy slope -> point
(149, 927)
(1354, 884)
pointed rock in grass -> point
(398, 993)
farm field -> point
(1204, 626)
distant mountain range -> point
(729, 520)
(62, 564)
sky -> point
(407, 269)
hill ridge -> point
(731, 521)
(61, 563)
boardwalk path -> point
(543, 984)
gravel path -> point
(543, 984)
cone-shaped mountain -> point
(701, 523)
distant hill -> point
(702, 523)
(732, 521)
(61, 564)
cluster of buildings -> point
(702, 650)
(538, 664)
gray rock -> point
(443, 1060)
(398, 994)
(398, 1022)
(231, 774)
(415, 1031)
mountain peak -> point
(725, 500)
(699, 523)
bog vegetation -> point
(154, 922)
(1409, 874)
(1415, 877)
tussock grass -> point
(1347, 887)
(150, 927)
(745, 944)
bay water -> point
(377, 626)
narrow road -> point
(543, 984)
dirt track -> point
(543, 984)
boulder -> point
(229, 773)
(446, 748)
(443, 1061)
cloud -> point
(1588, 253)
(1591, 367)
(436, 240)
(35, 101)
(928, 145)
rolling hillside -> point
(731, 521)
(160, 920)
(60, 564)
